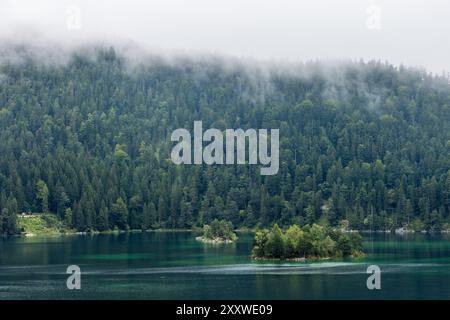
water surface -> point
(173, 265)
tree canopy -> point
(310, 241)
(89, 141)
(219, 230)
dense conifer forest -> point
(88, 140)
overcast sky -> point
(412, 32)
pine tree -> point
(42, 195)
(119, 214)
(102, 223)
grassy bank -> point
(40, 225)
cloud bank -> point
(410, 32)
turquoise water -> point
(173, 265)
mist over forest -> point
(85, 136)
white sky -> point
(412, 32)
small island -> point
(311, 241)
(218, 231)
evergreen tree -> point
(119, 214)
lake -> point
(173, 265)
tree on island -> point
(313, 241)
(218, 231)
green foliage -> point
(8, 217)
(310, 241)
(42, 195)
(120, 153)
(119, 214)
(292, 239)
(68, 217)
(41, 224)
(219, 229)
(103, 219)
(274, 247)
(366, 143)
(260, 242)
(344, 245)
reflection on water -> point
(172, 265)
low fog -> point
(288, 38)
(413, 33)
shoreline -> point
(305, 259)
(56, 233)
(84, 233)
(357, 255)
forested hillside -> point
(89, 140)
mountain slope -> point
(89, 140)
